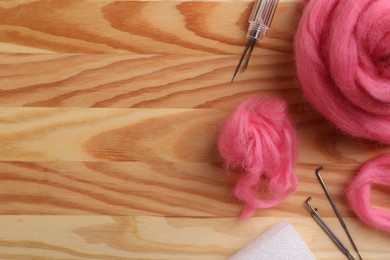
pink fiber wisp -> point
(374, 173)
(342, 50)
(260, 141)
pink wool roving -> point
(343, 63)
(260, 141)
(375, 172)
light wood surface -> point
(109, 114)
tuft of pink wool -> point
(342, 51)
(375, 172)
(259, 140)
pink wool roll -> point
(375, 172)
(343, 64)
(259, 140)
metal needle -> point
(336, 210)
(328, 231)
(259, 22)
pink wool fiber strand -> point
(343, 64)
(375, 172)
(260, 141)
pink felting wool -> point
(375, 172)
(343, 63)
(260, 141)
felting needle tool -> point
(336, 210)
(259, 22)
(320, 221)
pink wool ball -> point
(374, 173)
(260, 141)
(342, 51)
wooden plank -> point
(154, 189)
(85, 134)
(68, 188)
(104, 237)
(144, 81)
(146, 27)
(159, 189)
(152, 135)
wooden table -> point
(109, 113)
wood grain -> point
(146, 27)
(101, 237)
(144, 81)
(155, 189)
(109, 114)
(152, 135)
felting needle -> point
(336, 210)
(328, 230)
(259, 22)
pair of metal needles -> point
(325, 227)
(259, 22)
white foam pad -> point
(280, 242)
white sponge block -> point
(280, 242)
